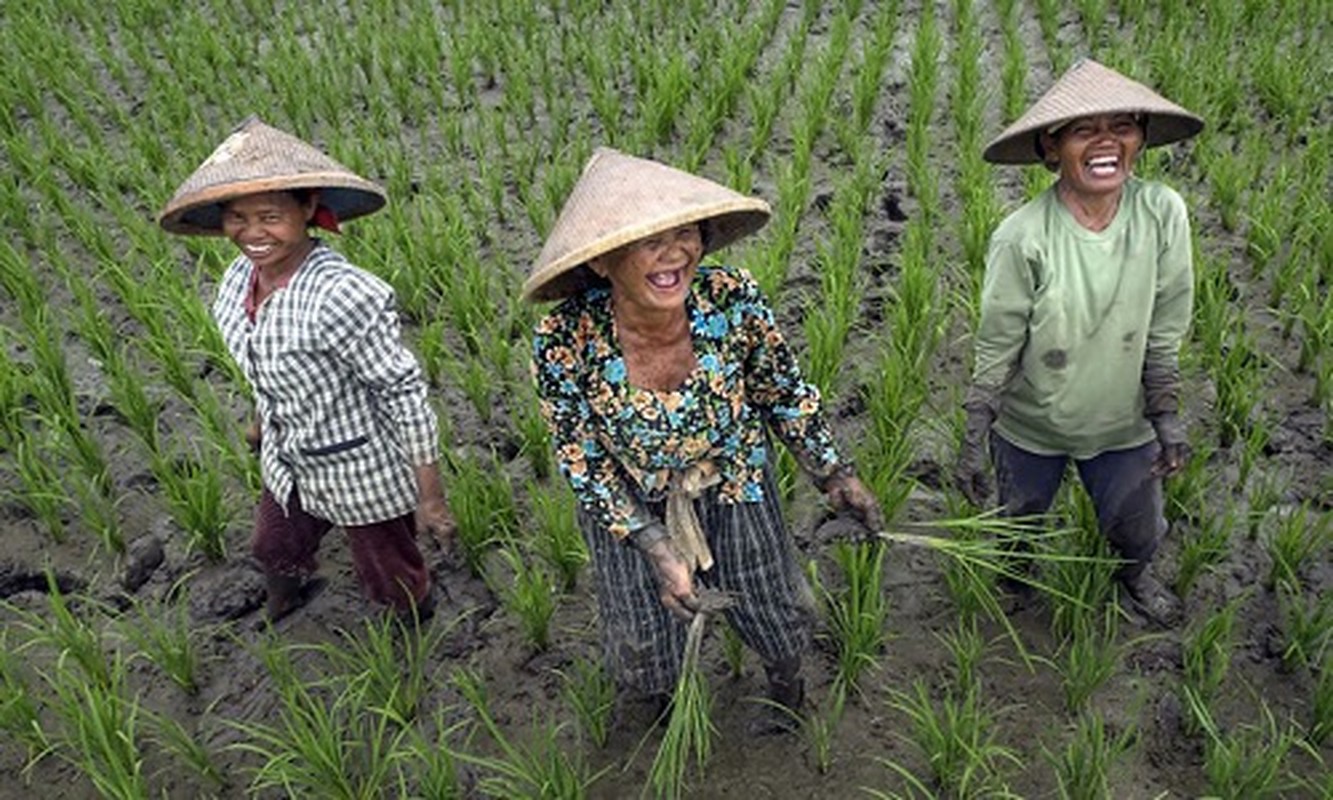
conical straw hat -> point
(619, 199)
(257, 158)
(1089, 88)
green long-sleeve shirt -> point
(1070, 317)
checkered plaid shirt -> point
(342, 402)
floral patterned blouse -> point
(618, 444)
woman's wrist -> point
(840, 472)
(646, 537)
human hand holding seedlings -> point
(1175, 447)
(675, 574)
(845, 492)
(432, 512)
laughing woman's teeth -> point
(1103, 165)
(664, 280)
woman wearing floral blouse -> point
(660, 380)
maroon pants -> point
(388, 564)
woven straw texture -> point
(1089, 88)
(619, 199)
(258, 158)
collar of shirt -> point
(252, 294)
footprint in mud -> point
(228, 594)
(16, 578)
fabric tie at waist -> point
(682, 523)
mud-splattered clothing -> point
(754, 560)
(342, 402)
(389, 567)
(618, 444)
(1071, 318)
(1125, 494)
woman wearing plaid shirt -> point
(343, 430)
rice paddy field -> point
(131, 661)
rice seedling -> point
(327, 739)
(1249, 761)
(689, 730)
(1083, 768)
(539, 768)
(20, 707)
(817, 729)
(557, 539)
(389, 660)
(195, 496)
(172, 736)
(973, 592)
(1088, 658)
(1083, 589)
(856, 611)
(1321, 704)
(100, 730)
(892, 401)
(967, 647)
(482, 503)
(1300, 535)
(1307, 624)
(868, 75)
(42, 492)
(1048, 18)
(164, 634)
(1202, 548)
(956, 733)
(590, 692)
(429, 768)
(528, 594)
(66, 634)
(1207, 654)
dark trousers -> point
(389, 566)
(1125, 494)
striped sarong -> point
(753, 558)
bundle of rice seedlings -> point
(690, 729)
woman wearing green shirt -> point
(1087, 297)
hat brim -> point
(200, 213)
(1090, 89)
(569, 274)
(1020, 146)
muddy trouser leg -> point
(285, 544)
(642, 643)
(755, 559)
(1129, 503)
(1025, 482)
(389, 566)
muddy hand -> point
(432, 517)
(847, 493)
(252, 434)
(1170, 460)
(675, 581)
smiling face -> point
(653, 274)
(1095, 155)
(270, 229)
